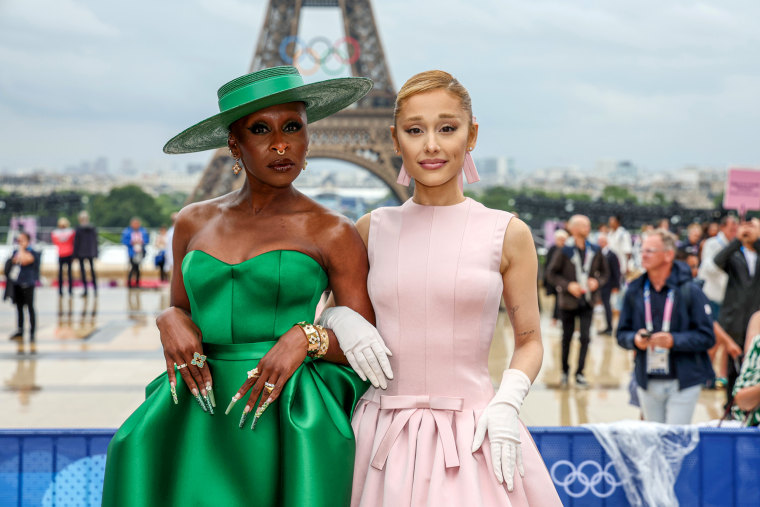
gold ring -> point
(180, 366)
(269, 387)
(253, 373)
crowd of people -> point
(685, 306)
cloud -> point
(552, 81)
(56, 16)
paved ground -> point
(95, 355)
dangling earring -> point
(403, 177)
(305, 163)
(236, 168)
(469, 168)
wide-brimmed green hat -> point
(269, 87)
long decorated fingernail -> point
(210, 391)
(199, 400)
(208, 404)
(246, 410)
(173, 389)
(260, 411)
(232, 403)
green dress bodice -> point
(302, 450)
(255, 300)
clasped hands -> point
(578, 291)
(182, 340)
(658, 339)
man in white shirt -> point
(619, 241)
(715, 278)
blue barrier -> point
(65, 467)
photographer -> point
(666, 319)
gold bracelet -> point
(312, 337)
(324, 342)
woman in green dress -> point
(249, 270)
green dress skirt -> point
(302, 450)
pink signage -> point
(742, 190)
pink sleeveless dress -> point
(435, 285)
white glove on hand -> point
(500, 419)
(361, 343)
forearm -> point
(626, 331)
(528, 357)
(693, 340)
(334, 352)
(748, 398)
(721, 258)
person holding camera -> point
(666, 320)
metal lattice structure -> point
(358, 135)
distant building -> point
(496, 171)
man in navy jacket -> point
(671, 350)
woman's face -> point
(23, 241)
(257, 138)
(432, 133)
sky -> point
(553, 83)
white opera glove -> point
(500, 419)
(363, 346)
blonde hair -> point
(63, 223)
(669, 240)
(428, 81)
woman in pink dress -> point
(439, 265)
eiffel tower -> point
(360, 134)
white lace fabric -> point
(647, 457)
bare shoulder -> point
(195, 216)
(329, 226)
(518, 243)
(362, 225)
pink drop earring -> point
(403, 177)
(470, 171)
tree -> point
(616, 193)
(121, 204)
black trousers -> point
(84, 274)
(64, 261)
(584, 313)
(606, 293)
(24, 297)
(134, 273)
(161, 272)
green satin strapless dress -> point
(302, 450)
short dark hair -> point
(726, 219)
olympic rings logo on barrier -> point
(588, 482)
(342, 52)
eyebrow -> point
(442, 115)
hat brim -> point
(322, 99)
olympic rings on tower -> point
(345, 51)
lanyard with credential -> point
(658, 358)
(666, 314)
